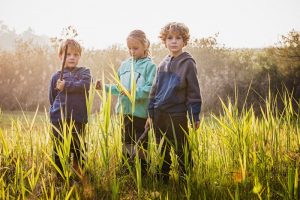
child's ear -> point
(60, 57)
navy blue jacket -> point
(71, 102)
(176, 90)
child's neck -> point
(71, 68)
(175, 55)
(139, 58)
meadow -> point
(247, 146)
(236, 154)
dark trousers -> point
(78, 130)
(174, 128)
(133, 128)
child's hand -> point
(196, 125)
(99, 85)
(123, 93)
(60, 85)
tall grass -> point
(236, 155)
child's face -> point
(174, 42)
(136, 48)
(72, 58)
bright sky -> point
(100, 23)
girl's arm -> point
(114, 89)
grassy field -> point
(7, 117)
(236, 155)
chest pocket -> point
(77, 77)
(69, 76)
(125, 79)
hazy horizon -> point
(240, 24)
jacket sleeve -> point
(52, 90)
(152, 97)
(194, 100)
(114, 89)
(81, 85)
(143, 92)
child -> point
(175, 93)
(68, 101)
(144, 72)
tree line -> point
(223, 72)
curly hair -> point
(176, 27)
(72, 44)
(140, 36)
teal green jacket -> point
(144, 72)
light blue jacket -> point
(144, 72)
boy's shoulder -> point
(80, 69)
(186, 59)
(55, 74)
(186, 56)
(83, 69)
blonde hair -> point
(176, 27)
(141, 36)
(72, 45)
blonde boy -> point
(68, 100)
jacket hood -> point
(67, 70)
(179, 60)
(183, 56)
(139, 61)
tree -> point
(288, 52)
